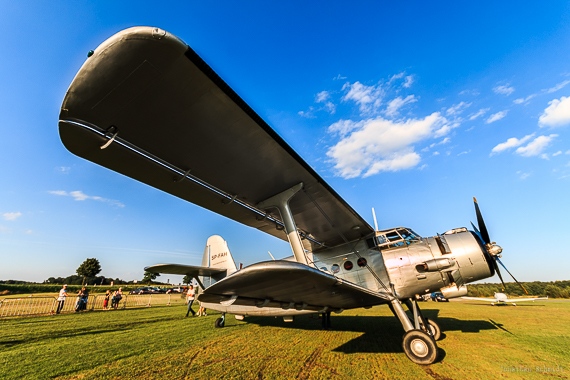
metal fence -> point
(45, 305)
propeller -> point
(492, 248)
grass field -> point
(529, 341)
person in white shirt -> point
(61, 299)
(190, 300)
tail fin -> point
(217, 255)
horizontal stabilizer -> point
(190, 270)
(286, 284)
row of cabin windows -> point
(348, 265)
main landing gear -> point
(421, 333)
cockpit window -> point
(399, 237)
(408, 235)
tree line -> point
(552, 289)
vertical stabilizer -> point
(217, 255)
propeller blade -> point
(499, 273)
(521, 285)
(482, 227)
(476, 230)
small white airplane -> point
(146, 105)
(502, 299)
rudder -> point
(217, 255)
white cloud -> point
(330, 108)
(496, 116)
(81, 196)
(557, 114)
(523, 175)
(408, 79)
(558, 86)
(395, 104)
(478, 114)
(322, 97)
(505, 89)
(513, 142)
(370, 146)
(555, 88)
(524, 100)
(536, 146)
(457, 108)
(368, 98)
(308, 114)
(11, 215)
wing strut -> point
(281, 202)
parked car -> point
(143, 290)
(438, 297)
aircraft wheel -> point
(434, 329)
(419, 347)
(220, 322)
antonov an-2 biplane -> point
(146, 105)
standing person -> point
(81, 299)
(61, 298)
(117, 296)
(190, 300)
(106, 300)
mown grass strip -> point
(481, 342)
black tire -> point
(219, 322)
(435, 330)
(419, 347)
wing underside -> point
(147, 106)
(290, 285)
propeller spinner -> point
(493, 249)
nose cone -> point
(494, 250)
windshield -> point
(398, 237)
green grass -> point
(480, 342)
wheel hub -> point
(419, 347)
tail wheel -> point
(419, 347)
(434, 329)
(220, 322)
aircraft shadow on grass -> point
(381, 334)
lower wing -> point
(290, 285)
(189, 270)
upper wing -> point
(286, 284)
(175, 125)
(190, 270)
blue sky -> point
(410, 108)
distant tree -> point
(187, 279)
(149, 276)
(89, 268)
(553, 291)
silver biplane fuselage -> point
(412, 265)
